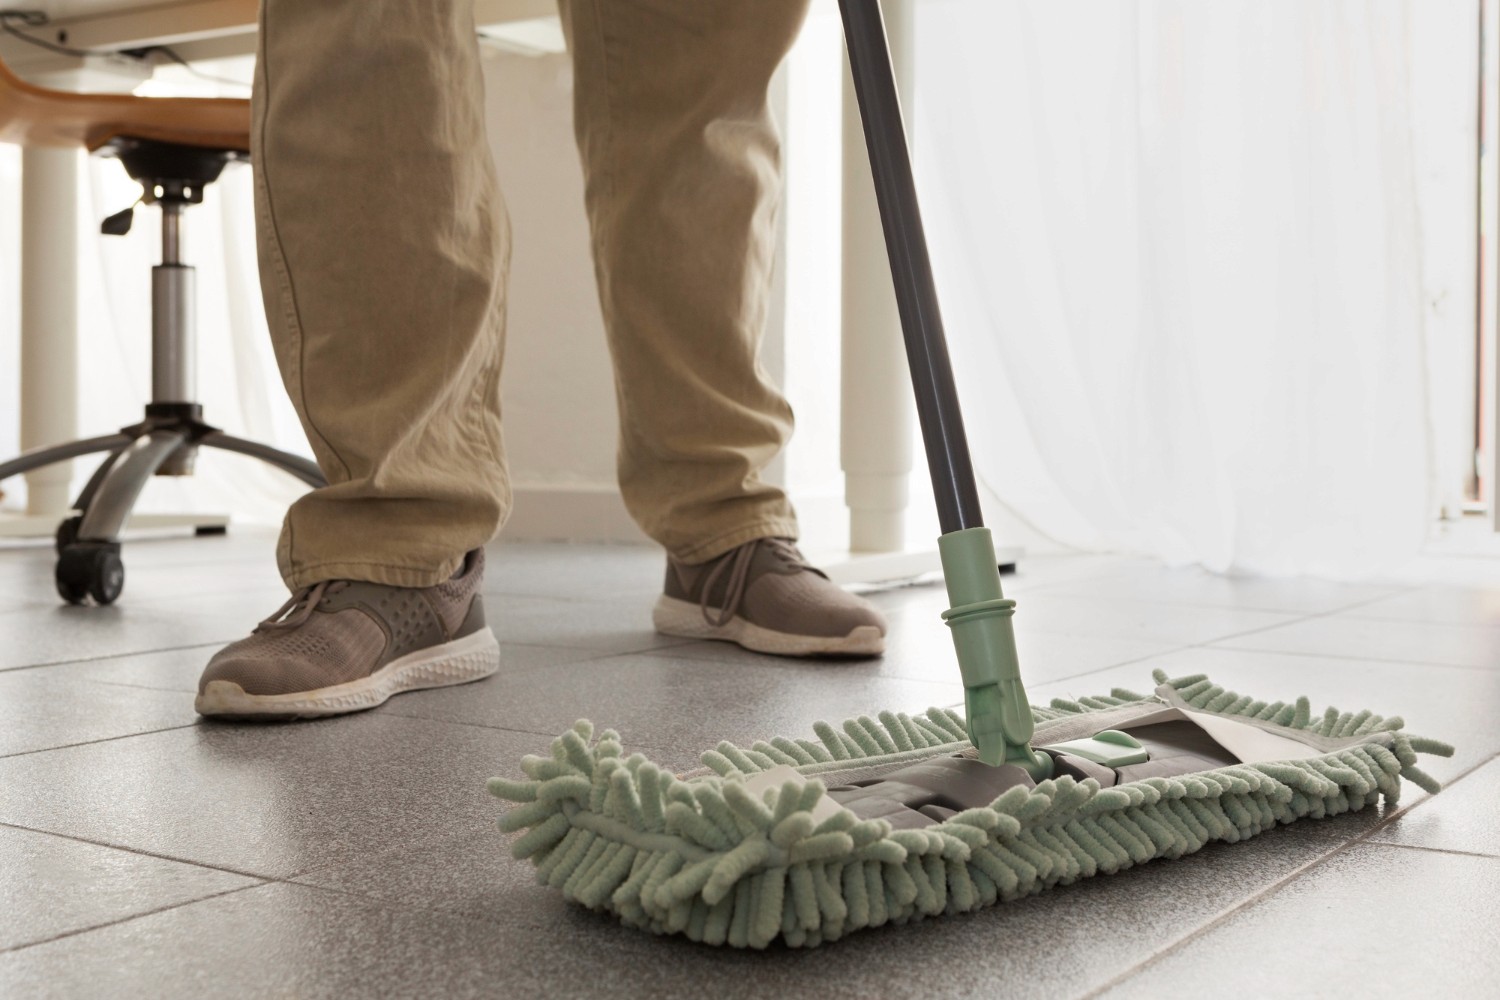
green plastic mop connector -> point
(998, 713)
(1111, 748)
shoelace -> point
(299, 607)
(738, 566)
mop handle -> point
(997, 712)
(916, 295)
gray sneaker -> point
(343, 646)
(765, 596)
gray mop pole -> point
(998, 714)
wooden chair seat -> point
(36, 116)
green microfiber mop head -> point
(755, 849)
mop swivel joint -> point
(999, 726)
(997, 710)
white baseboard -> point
(570, 514)
(582, 513)
(17, 525)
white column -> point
(49, 317)
(877, 407)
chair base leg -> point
(88, 543)
(39, 458)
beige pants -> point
(384, 246)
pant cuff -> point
(776, 527)
(388, 574)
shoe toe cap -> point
(303, 659)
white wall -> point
(558, 388)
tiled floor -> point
(143, 853)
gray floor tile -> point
(920, 647)
(622, 625)
(174, 670)
(1374, 921)
(256, 583)
(276, 940)
(1371, 639)
(62, 633)
(26, 595)
(1465, 817)
(161, 568)
(1445, 703)
(54, 886)
(179, 669)
(1196, 586)
(411, 890)
(1145, 621)
(1437, 605)
(1036, 571)
(1103, 925)
(41, 709)
(265, 800)
(680, 706)
(574, 571)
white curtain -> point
(1181, 253)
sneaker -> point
(764, 596)
(344, 646)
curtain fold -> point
(1180, 250)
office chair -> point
(174, 147)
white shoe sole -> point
(457, 662)
(684, 619)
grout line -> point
(394, 713)
(185, 692)
(1213, 644)
(1294, 618)
(1394, 591)
(549, 735)
(1345, 658)
(1366, 838)
(390, 905)
(1222, 918)
(115, 656)
(126, 919)
(1436, 850)
(102, 739)
(139, 851)
(1146, 658)
(1203, 929)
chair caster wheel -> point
(67, 532)
(90, 569)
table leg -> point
(49, 318)
(877, 411)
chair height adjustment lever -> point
(119, 223)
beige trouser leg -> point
(683, 173)
(383, 251)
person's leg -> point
(682, 163)
(383, 247)
(683, 169)
(383, 250)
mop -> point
(899, 817)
